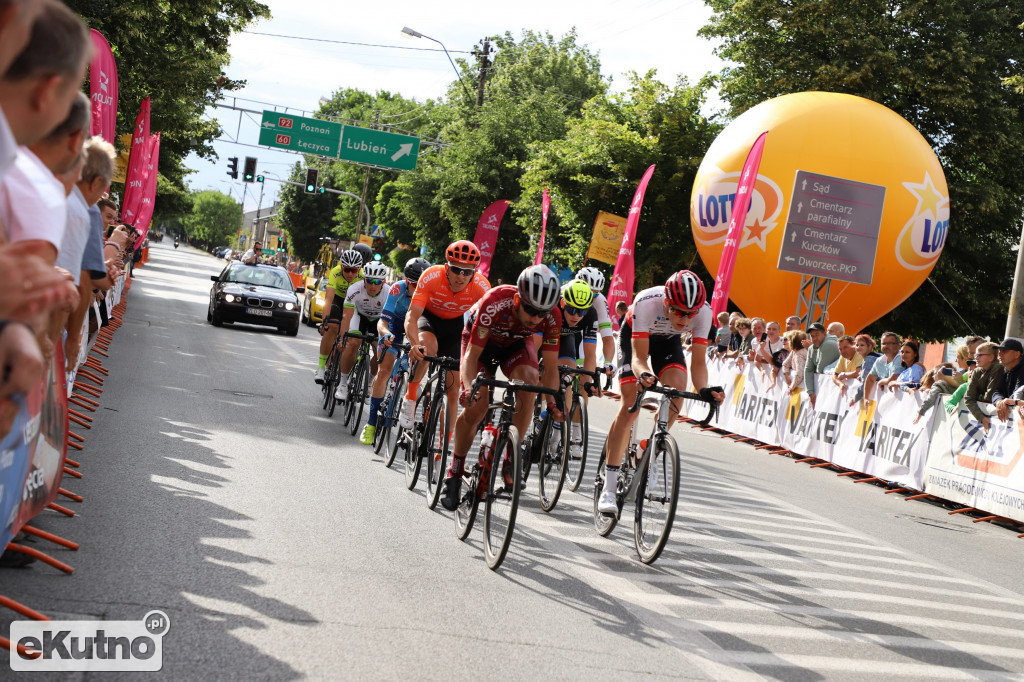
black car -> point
(255, 294)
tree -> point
(307, 218)
(215, 218)
(947, 66)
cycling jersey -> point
(435, 295)
(338, 281)
(585, 331)
(369, 307)
(604, 322)
(493, 321)
(648, 317)
(396, 307)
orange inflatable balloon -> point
(847, 189)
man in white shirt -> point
(252, 256)
(16, 19)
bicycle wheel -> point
(656, 497)
(435, 449)
(413, 461)
(392, 431)
(502, 501)
(576, 464)
(465, 513)
(602, 524)
(534, 440)
(357, 394)
(551, 467)
(331, 381)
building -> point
(262, 224)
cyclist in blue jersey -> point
(391, 329)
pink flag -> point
(545, 204)
(486, 237)
(135, 178)
(103, 88)
(148, 203)
(622, 278)
(720, 299)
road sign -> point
(300, 134)
(832, 228)
(379, 148)
(377, 232)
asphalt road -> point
(217, 491)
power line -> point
(349, 42)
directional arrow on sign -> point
(790, 259)
(403, 150)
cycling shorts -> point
(518, 354)
(337, 308)
(447, 332)
(665, 352)
(360, 325)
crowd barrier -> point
(34, 453)
(947, 456)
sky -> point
(627, 35)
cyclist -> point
(579, 330)
(390, 329)
(595, 279)
(434, 322)
(499, 333)
(365, 251)
(341, 277)
(651, 338)
(364, 303)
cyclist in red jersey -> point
(433, 324)
(499, 333)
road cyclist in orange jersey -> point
(651, 350)
(434, 322)
(499, 332)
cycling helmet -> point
(375, 270)
(414, 268)
(463, 252)
(578, 294)
(364, 251)
(685, 290)
(593, 277)
(351, 259)
(538, 287)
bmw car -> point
(254, 294)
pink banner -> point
(148, 204)
(545, 205)
(135, 179)
(720, 299)
(622, 278)
(103, 88)
(486, 237)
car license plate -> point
(258, 311)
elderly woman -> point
(793, 366)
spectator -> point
(724, 333)
(884, 367)
(836, 329)
(253, 255)
(772, 350)
(933, 383)
(793, 365)
(16, 19)
(983, 381)
(850, 362)
(793, 322)
(96, 176)
(1009, 357)
(823, 351)
(866, 347)
(913, 370)
(620, 312)
(744, 336)
(108, 210)
(757, 336)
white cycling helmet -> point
(375, 270)
(593, 277)
(539, 288)
(350, 259)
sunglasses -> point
(679, 312)
(573, 310)
(373, 281)
(465, 272)
(531, 311)
(411, 283)
(350, 270)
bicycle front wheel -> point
(331, 382)
(413, 461)
(392, 431)
(502, 501)
(357, 394)
(551, 467)
(465, 513)
(602, 524)
(656, 497)
(435, 450)
(576, 455)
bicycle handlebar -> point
(513, 385)
(676, 393)
(564, 370)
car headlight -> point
(320, 301)
(230, 298)
(289, 306)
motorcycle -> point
(175, 243)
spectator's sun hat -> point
(1011, 344)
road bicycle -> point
(359, 380)
(387, 414)
(649, 475)
(498, 486)
(332, 373)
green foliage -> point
(174, 52)
(307, 217)
(952, 68)
(215, 218)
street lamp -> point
(416, 34)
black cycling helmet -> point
(414, 268)
(365, 251)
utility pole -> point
(366, 183)
(1015, 318)
(484, 56)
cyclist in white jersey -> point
(364, 303)
(651, 350)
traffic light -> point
(259, 178)
(311, 175)
(233, 167)
(250, 169)
(322, 190)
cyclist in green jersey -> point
(341, 277)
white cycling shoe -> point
(606, 504)
(407, 415)
(318, 375)
(341, 393)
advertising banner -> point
(103, 88)
(135, 182)
(608, 231)
(15, 455)
(621, 288)
(486, 237)
(545, 207)
(148, 203)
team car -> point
(313, 306)
(255, 294)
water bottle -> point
(487, 443)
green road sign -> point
(379, 148)
(300, 134)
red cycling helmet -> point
(685, 290)
(463, 252)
